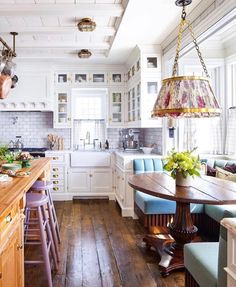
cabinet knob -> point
(19, 247)
(55, 175)
(55, 182)
(55, 188)
(55, 158)
(55, 169)
(91, 175)
(8, 218)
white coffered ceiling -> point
(48, 28)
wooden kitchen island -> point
(12, 204)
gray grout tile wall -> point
(34, 127)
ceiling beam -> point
(106, 31)
(78, 10)
(62, 45)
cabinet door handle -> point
(55, 175)
(91, 175)
(55, 182)
(55, 169)
(8, 218)
(55, 158)
(19, 247)
(55, 188)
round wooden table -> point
(206, 190)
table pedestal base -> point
(169, 243)
(165, 246)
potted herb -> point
(183, 166)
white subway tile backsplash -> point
(32, 126)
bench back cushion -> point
(147, 165)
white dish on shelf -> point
(146, 150)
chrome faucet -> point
(88, 137)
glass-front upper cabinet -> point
(116, 78)
(81, 78)
(63, 78)
(116, 108)
(62, 115)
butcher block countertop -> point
(12, 191)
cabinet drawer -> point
(58, 182)
(59, 188)
(7, 218)
(57, 158)
(57, 170)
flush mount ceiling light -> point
(84, 54)
(186, 96)
(86, 25)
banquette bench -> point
(205, 261)
(154, 211)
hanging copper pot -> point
(5, 85)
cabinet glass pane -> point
(116, 78)
(62, 78)
(80, 78)
(151, 62)
(152, 87)
(98, 78)
(116, 97)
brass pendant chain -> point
(180, 34)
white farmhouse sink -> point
(90, 158)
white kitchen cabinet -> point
(116, 107)
(143, 84)
(32, 92)
(230, 224)
(59, 166)
(62, 111)
(123, 163)
(90, 182)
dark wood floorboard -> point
(101, 249)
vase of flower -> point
(183, 181)
(183, 166)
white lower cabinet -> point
(59, 165)
(230, 224)
(90, 182)
(124, 193)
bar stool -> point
(46, 186)
(38, 232)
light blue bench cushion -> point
(201, 260)
(216, 212)
(155, 205)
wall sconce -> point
(86, 25)
(186, 96)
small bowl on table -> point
(146, 150)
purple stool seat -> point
(42, 185)
(35, 199)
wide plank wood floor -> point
(101, 249)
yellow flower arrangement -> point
(184, 162)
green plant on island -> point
(184, 162)
(3, 151)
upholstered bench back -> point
(147, 165)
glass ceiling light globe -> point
(86, 25)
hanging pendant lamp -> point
(186, 96)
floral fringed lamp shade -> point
(186, 96)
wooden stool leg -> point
(44, 246)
